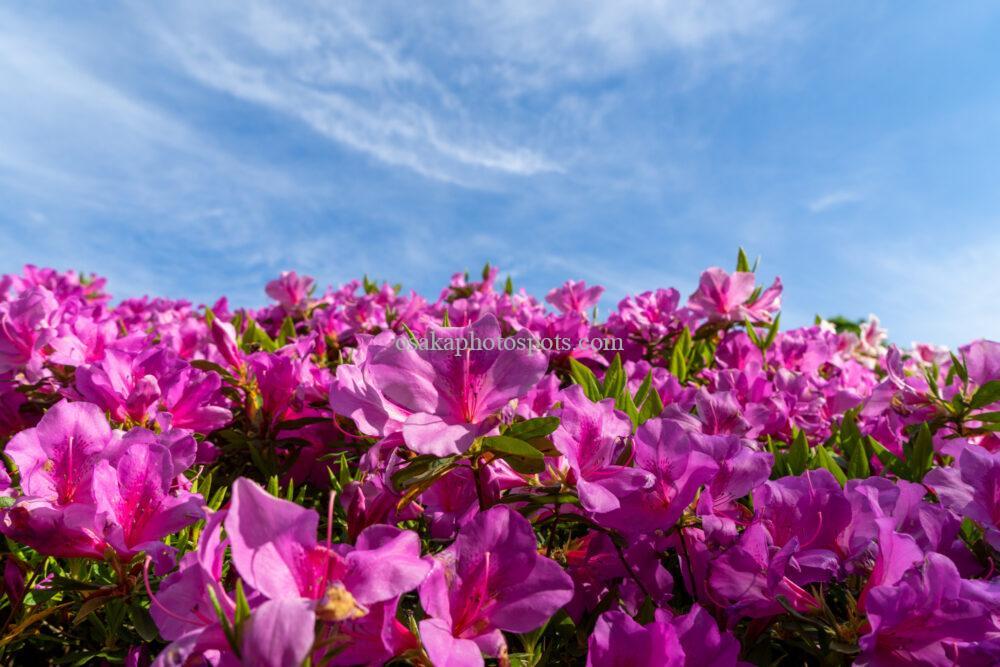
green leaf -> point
(242, 612)
(627, 405)
(986, 394)
(508, 287)
(255, 336)
(798, 454)
(920, 454)
(647, 382)
(651, 407)
(825, 460)
(227, 627)
(971, 531)
(420, 469)
(584, 377)
(520, 455)
(877, 449)
(959, 368)
(614, 379)
(412, 336)
(752, 332)
(295, 424)
(678, 363)
(742, 263)
(287, 331)
(857, 460)
(543, 499)
(533, 428)
(143, 622)
(206, 365)
(987, 416)
(780, 468)
(772, 333)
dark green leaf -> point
(798, 454)
(520, 455)
(825, 460)
(986, 394)
(533, 428)
(614, 379)
(584, 377)
(143, 622)
(742, 263)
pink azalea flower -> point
(724, 296)
(664, 448)
(86, 489)
(445, 400)
(489, 580)
(138, 385)
(809, 512)
(747, 578)
(972, 489)
(926, 616)
(692, 639)
(291, 291)
(592, 437)
(575, 297)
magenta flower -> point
(575, 297)
(926, 616)
(292, 583)
(134, 488)
(448, 398)
(136, 385)
(291, 291)
(723, 296)
(226, 344)
(982, 360)
(692, 639)
(279, 633)
(931, 526)
(27, 325)
(275, 551)
(747, 578)
(895, 555)
(972, 489)
(57, 461)
(85, 489)
(647, 319)
(355, 394)
(618, 641)
(809, 512)
(489, 580)
(665, 448)
(592, 437)
(182, 608)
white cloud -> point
(404, 87)
(938, 293)
(833, 200)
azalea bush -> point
(679, 482)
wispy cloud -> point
(945, 293)
(329, 71)
(401, 86)
(832, 200)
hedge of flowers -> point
(308, 483)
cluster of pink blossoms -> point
(291, 486)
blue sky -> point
(195, 148)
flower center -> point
(339, 605)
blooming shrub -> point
(679, 483)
